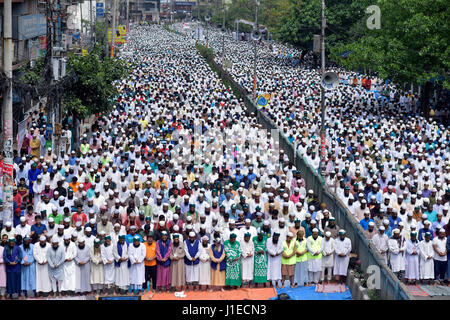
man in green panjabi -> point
(233, 270)
(260, 262)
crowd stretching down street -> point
(386, 162)
(178, 188)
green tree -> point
(411, 46)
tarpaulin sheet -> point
(309, 293)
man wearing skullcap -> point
(28, 268)
(107, 254)
(121, 273)
(314, 246)
(12, 257)
(178, 262)
(163, 252)
(412, 259)
(56, 257)
(380, 241)
(82, 268)
(288, 259)
(205, 264)
(43, 283)
(274, 250)
(426, 261)
(69, 282)
(248, 251)
(218, 264)
(343, 247)
(136, 254)
(191, 259)
(328, 249)
(233, 272)
(97, 275)
(150, 262)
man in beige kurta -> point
(177, 266)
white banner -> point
(21, 133)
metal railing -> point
(390, 287)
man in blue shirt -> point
(375, 192)
(37, 229)
(365, 222)
(394, 220)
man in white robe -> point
(343, 247)
(137, 253)
(97, 274)
(107, 255)
(274, 250)
(192, 253)
(43, 283)
(55, 262)
(69, 283)
(426, 265)
(328, 247)
(380, 241)
(122, 273)
(82, 268)
(204, 279)
(412, 259)
(248, 251)
(395, 253)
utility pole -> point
(113, 31)
(91, 18)
(8, 113)
(81, 23)
(128, 15)
(322, 102)
(255, 49)
(224, 30)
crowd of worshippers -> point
(157, 198)
(389, 165)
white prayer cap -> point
(371, 223)
(328, 234)
(22, 219)
(396, 230)
(42, 238)
(282, 219)
(313, 221)
(427, 222)
(162, 223)
(311, 208)
(385, 221)
(191, 234)
(75, 234)
(299, 204)
(266, 222)
(424, 216)
(382, 228)
(315, 230)
(176, 228)
(308, 215)
(189, 218)
(410, 214)
(189, 226)
(232, 221)
(66, 236)
(55, 240)
(66, 220)
(442, 230)
(290, 234)
(103, 232)
(176, 216)
(202, 226)
(88, 229)
(60, 226)
(8, 224)
(78, 224)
